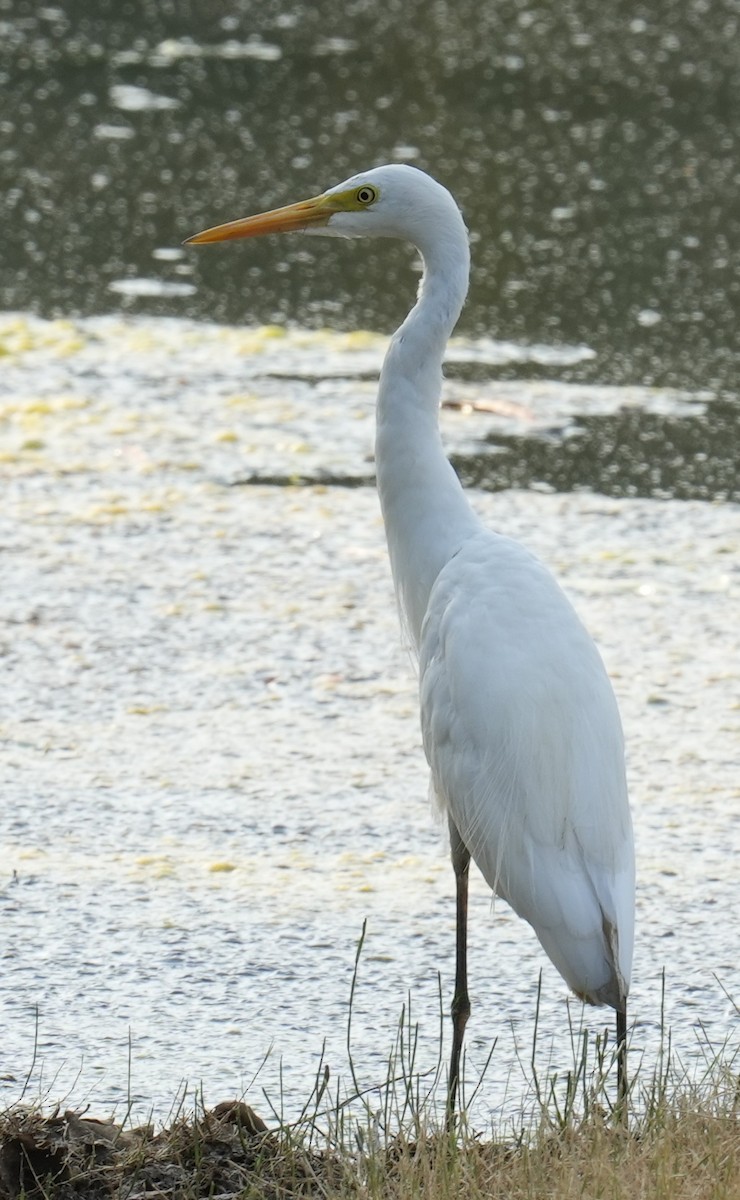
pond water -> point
(209, 747)
(594, 151)
(212, 770)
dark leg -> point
(461, 1001)
(622, 1057)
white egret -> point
(519, 720)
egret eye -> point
(366, 194)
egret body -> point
(519, 720)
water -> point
(594, 152)
(212, 770)
(210, 760)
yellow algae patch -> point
(298, 860)
(409, 860)
(137, 337)
(222, 867)
(117, 506)
(360, 339)
(21, 409)
(122, 429)
(114, 508)
(154, 506)
(157, 866)
(270, 332)
(253, 341)
(164, 870)
(145, 710)
(246, 400)
(261, 339)
(226, 435)
(23, 335)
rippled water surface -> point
(210, 757)
(211, 762)
(594, 149)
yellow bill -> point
(293, 217)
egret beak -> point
(307, 213)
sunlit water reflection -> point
(594, 152)
(211, 761)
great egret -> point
(520, 724)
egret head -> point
(392, 201)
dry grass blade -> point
(685, 1145)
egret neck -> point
(426, 514)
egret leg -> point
(461, 1000)
(622, 1055)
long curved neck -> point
(426, 514)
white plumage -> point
(519, 720)
(522, 733)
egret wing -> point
(522, 734)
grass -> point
(678, 1140)
(685, 1147)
